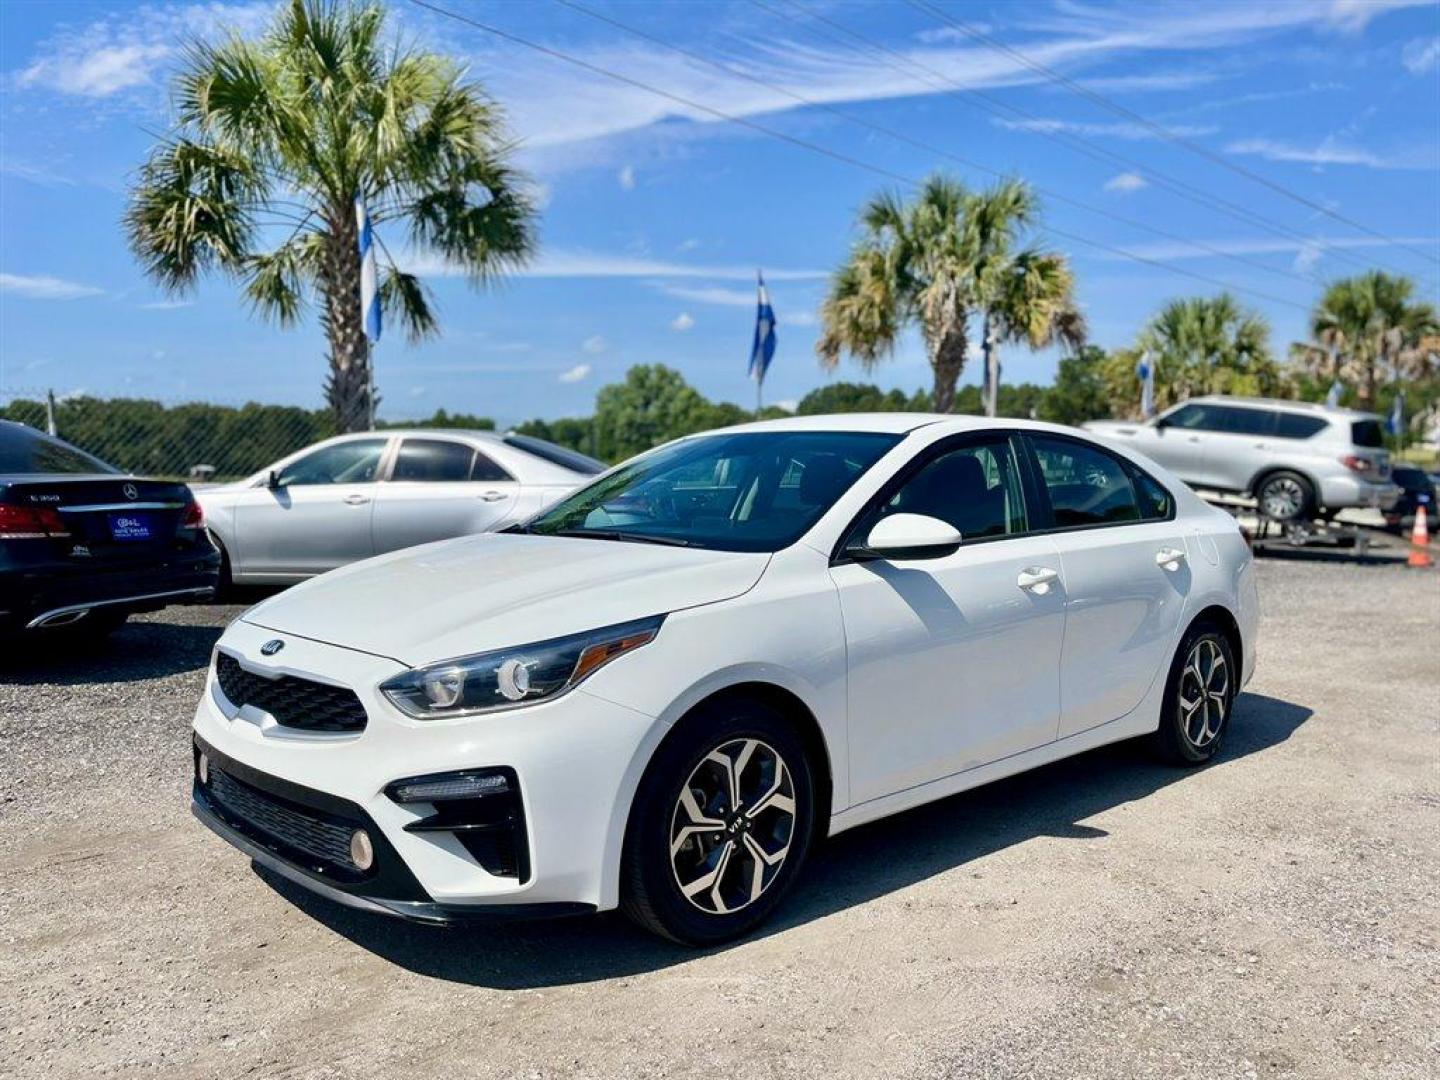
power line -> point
(1160, 129)
(834, 155)
(920, 144)
(989, 103)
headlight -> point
(507, 678)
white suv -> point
(1296, 458)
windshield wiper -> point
(634, 538)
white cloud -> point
(627, 178)
(576, 374)
(682, 322)
(1118, 130)
(1126, 182)
(1307, 257)
(1421, 55)
(1333, 151)
(687, 245)
(1159, 80)
(125, 51)
(593, 345)
(1165, 251)
(711, 294)
(41, 287)
(565, 263)
(417, 391)
(788, 404)
(166, 305)
(799, 317)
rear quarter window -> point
(1367, 433)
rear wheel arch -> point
(1221, 618)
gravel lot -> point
(1272, 915)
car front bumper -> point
(576, 762)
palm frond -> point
(405, 299)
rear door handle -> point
(1169, 558)
(492, 496)
(1037, 579)
(356, 500)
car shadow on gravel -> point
(851, 869)
(138, 651)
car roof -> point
(461, 433)
(899, 424)
(1284, 405)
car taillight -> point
(1356, 464)
(31, 523)
(194, 516)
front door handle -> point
(356, 500)
(492, 496)
(1169, 558)
(1037, 579)
(1194, 438)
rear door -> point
(1126, 572)
(1245, 443)
(318, 515)
(439, 488)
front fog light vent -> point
(362, 851)
(452, 786)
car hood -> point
(494, 590)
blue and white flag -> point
(1396, 424)
(763, 350)
(1146, 370)
(1333, 397)
(369, 275)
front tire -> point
(721, 824)
(1199, 695)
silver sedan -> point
(359, 495)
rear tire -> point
(701, 867)
(1199, 698)
(1286, 496)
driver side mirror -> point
(273, 480)
(1160, 423)
(908, 536)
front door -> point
(953, 661)
(316, 517)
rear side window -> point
(442, 461)
(1156, 503)
(1239, 421)
(23, 451)
(1296, 426)
(1086, 485)
(1367, 433)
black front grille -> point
(294, 702)
(306, 835)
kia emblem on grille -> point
(131, 491)
(271, 647)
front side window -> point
(976, 489)
(748, 491)
(1086, 485)
(1195, 418)
(354, 462)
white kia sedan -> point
(662, 691)
(359, 495)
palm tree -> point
(1030, 299)
(934, 261)
(1200, 345)
(275, 140)
(1366, 328)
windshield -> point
(749, 491)
(26, 451)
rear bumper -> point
(31, 596)
(1341, 492)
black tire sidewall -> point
(647, 847)
(1173, 740)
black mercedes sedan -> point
(83, 546)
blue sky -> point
(655, 215)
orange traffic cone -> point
(1420, 540)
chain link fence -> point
(177, 440)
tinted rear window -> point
(25, 451)
(1367, 433)
(557, 455)
(1238, 421)
(1296, 426)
